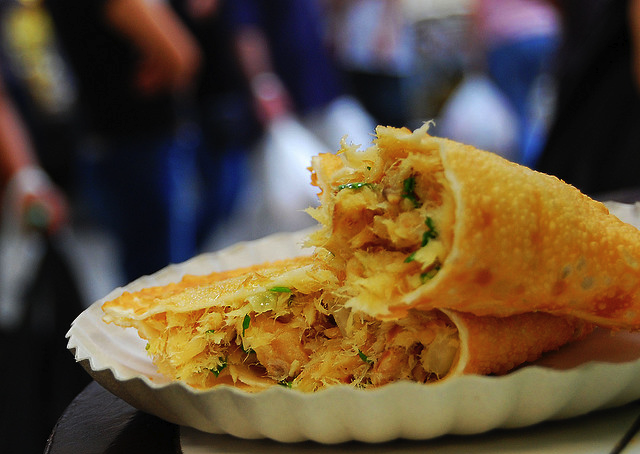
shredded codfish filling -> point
(386, 215)
(298, 339)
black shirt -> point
(594, 140)
(105, 63)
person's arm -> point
(271, 99)
(15, 147)
(253, 52)
(390, 25)
(634, 31)
(36, 200)
(170, 55)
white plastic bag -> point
(287, 150)
(343, 117)
(20, 253)
(478, 114)
(282, 170)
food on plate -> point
(274, 323)
(432, 259)
(450, 226)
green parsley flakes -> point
(429, 234)
(409, 191)
(358, 185)
(217, 370)
(428, 275)
(245, 323)
(364, 357)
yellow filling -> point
(386, 215)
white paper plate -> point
(599, 372)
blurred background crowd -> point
(138, 133)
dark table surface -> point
(98, 422)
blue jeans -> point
(143, 190)
(515, 67)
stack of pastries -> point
(432, 259)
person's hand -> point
(202, 9)
(151, 77)
(159, 74)
(45, 210)
(39, 203)
(270, 97)
(169, 56)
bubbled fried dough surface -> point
(526, 241)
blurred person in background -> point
(300, 101)
(284, 58)
(594, 140)
(519, 39)
(38, 297)
(373, 42)
(135, 63)
(25, 186)
(39, 83)
(282, 55)
(222, 107)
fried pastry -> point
(276, 323)
(450, 226)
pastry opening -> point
(299, 340)
(387, 216)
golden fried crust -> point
(526, 241)
(202, 291)
(493, 345)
